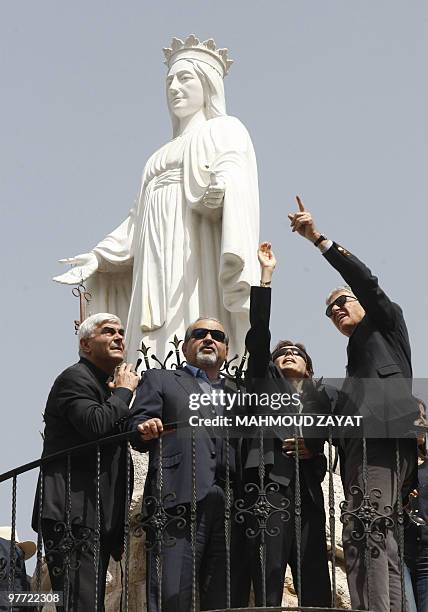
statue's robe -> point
(174, 259)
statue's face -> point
(184, 90)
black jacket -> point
(264, 376)
(165, 394)
(81, 408)
(379, 369)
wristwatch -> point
(319, 240)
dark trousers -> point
(373, 564)
(170, 566)
(82, 578)
(281, 550)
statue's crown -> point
(205, 51)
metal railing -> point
(156, 519)
(250, 507)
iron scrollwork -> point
(368, 519)
(155, 520)
(261, 510)
(75, 539)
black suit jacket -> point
(165, 394)
(262, 375)
(379, 368)
(81, 408)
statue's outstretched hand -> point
(214, 194)
(84, 266)
(303, 223)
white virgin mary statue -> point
(188, 248)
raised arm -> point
(355, 273)
(258, 337)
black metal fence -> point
(155, 520)
(255, 509)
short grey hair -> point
(342, 289)
(188, 333)
(89, 325)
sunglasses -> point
(339, 302)
(294, 350)
(201, 332)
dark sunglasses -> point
(294, 350)
(339, 301)
(216, 334)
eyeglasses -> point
(201, 332)
(294, 350)
(339, 302)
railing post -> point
(332, 520)
(12, 554)
(97, 532)
(227, 519)
(126, 540)
(298, 520)
(193, 509)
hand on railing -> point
(150, 429)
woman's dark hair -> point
(283, 343)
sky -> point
(334, 94)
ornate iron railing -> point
(255, 510)
(156, 519)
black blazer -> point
(81, 408)
(165, 394)
(379, 358)
(262, 374)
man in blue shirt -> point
(191, 483)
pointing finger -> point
(300, 204)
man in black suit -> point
(164, 397)
(378, 386)
(287, 371)
(84, 406)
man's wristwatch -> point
(267, 284)
(319, 240)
